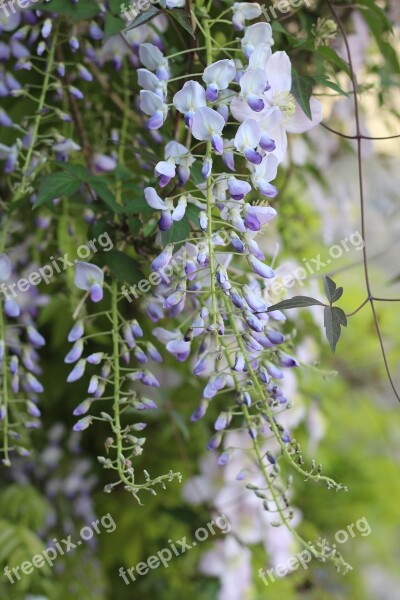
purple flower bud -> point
(34, 337)
(267, 143)
(285, 437)
(174, 299)
(214, 385)
(223, 459)
(14, 365)
(207, 168)
(252, 321)
(93, 384)
(140, 355)
(75, 353)
(275, 337)
(90, 278)
(74, 43)
(163, 259)
(84, 73)
(32, 409)
(96, 292)
(217, 143)
(288, 361)
(46, 28)
(83, 408)
(146, 404)
(76, 332)
(15, 383)
(77, 372)
(238, 189)
(214, 442)
(94, 31)
(149, 379)
(212, 92)
(83, 424)
(153, 353)
(262, 372)
(11, 309)
(253, 156)
(240, 363)
(200, 411)
(241, 475)
(236, 298)
(128, 336)
(255, 302)
(274, 371)
(203, 220)
(222, 421)
(255, 103)
(260, 268)
(75, 92)
(96, 358)
(34, 384)
(136, 329)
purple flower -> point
(179, 348)
(83, 424)
(34, 384)
(238, 189)
(77, 372)
(83, 407)
(164, 258)
(200, 411)
(189, 100)
(260, 268)
(11, 308)
(76, 332)
(75, 353)
(35, 338)
(207, 125)
(90, 278)
(32, 409)
(95, 358)
(218, 76)
(247, 139)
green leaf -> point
(178, 232)
(134, 225)
(84, 9)
(192, 213)
(113, 25)
(330, 55)
(329, 287)
(378, 12)
(100, 185)
(125, 268)
(182, 18)
(341, 315)
(332, 323)
(56, 185)
(337, 295)
(302, 88)
(79, 171)
(295, 302)
(144, 17)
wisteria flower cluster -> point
(178, 152)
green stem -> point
(117, 381)
(42, 99)
(4, 373)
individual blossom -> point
(244, 11)
(90, 278)
(218, 76)
(260, 33)
(189, 100)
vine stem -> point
(359, 138)
(205, 28)
(42, 99)
(117, 381)
(6, 460)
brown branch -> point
(76, 116)
(359, 139)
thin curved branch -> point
(359, 137)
